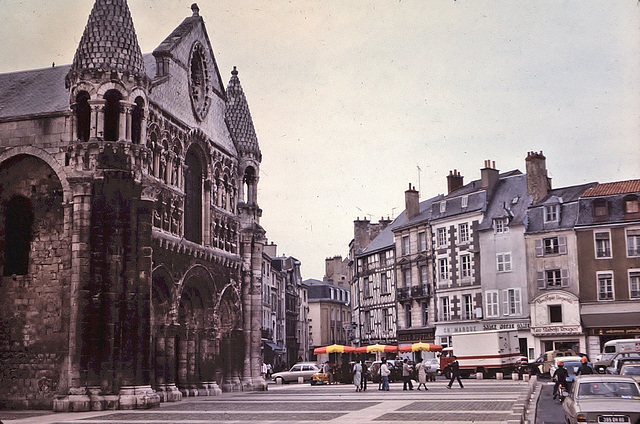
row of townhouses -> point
(285, 309)
(506, 251)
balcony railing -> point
(414, 292)
(403, 293)
(420, 291)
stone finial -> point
(195, 9)
(235, 71)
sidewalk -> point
(487, 401)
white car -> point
(301, 369)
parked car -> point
(394, 366)
(618, 363)
(631, 370)
(546, 360)
(611, 348)
(602, 399)
(301, 369)
(622, 358)
(433, 368)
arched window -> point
(83, 115)
(18, 229)
(112, 115)
(249, 182)
(137, 114)
(193, 200)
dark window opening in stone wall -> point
(19, 226)
(112, 115)
(83, 116)
(193, 201)
(249, 185)
(136, 120)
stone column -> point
(76, 398)
(161, 364)
(97, 118)
(124, 131)
(173, 394)
(206, 214)
(252, 297)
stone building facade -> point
(608, 246)
(130, 241)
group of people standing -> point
(360, 375)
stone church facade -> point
(130, 243)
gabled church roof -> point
(109, 40)
(239, 118)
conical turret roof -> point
(109, 40)
(239, 119)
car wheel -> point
(279, 380)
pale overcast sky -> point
(350, 97)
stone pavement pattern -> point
(486, 401)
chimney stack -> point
(412, 202)
(489, 175)
(454, 180)
(538, 183)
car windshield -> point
(609, 389)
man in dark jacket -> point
(585, 368)
(455, 372)
(560, 374)
(406, 376)
(365, 375)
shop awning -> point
(609, 320)
(273, 347)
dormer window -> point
(443, 206)
(551, 213)
(464, 201)
(600, 208)
(631, 204)
(501, 225)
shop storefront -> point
(555, 322)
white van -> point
(611, 348)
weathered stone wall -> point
(34, 308)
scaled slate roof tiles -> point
(239, 118)
(38, 91)
(109, 40)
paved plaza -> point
(485, 401)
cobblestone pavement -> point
(484, 401)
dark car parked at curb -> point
(395, 367)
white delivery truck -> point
(489, 352)
(612, 348)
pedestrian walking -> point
(422, 374)
(584, 368)
(454, 367)
(263, 369)
(384, 375)
(357, 375)
(406, 375)
(365, 376)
